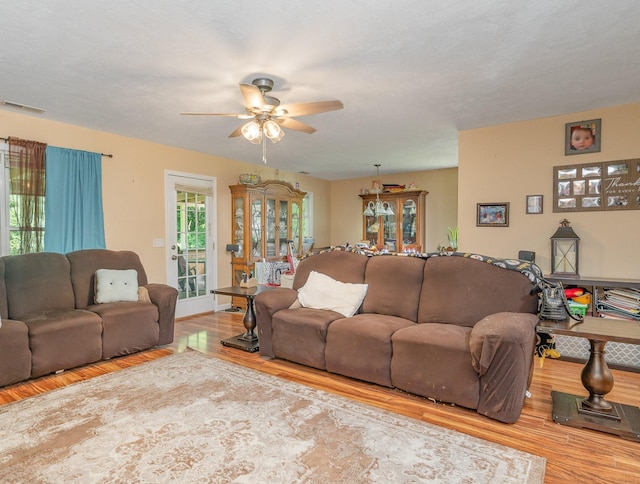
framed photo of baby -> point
(582, 137)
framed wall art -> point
(534, 204)
(582, 137)
(599, 186)
(492, 214)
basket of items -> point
(579, 300)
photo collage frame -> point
(586, 187)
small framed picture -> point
(493, 215)
(534, 204)
(582, 137)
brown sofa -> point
(50, 321)
(457, 329)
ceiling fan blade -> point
(241, 116)
(252, 96)
(295, 125)
(305, 109)
(236, 132)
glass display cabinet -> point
(265, 216)
(394, 221)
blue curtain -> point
(74, 218)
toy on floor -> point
(546, 347)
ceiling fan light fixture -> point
(252, 131)
(273, 131)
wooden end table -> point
(247, 341)
(595, 412)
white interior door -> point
(190, 222)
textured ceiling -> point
(411, 74)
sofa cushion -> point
(300, 335)
(394, 286)
(113, 285)
(323, 292)
(342, 266)
(360, 347)
(84, 264)
(127, 327)
(37, 282)
(433, 360)
(476, 289)
(62, 339)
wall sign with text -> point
(588, 187)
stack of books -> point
(620, 304)
(392, 187)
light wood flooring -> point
(573, 455)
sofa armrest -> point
(502, 349)
(165, 298)
(266, 305)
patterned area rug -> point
(189, 418)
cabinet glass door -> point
(295, 226)
(409, 208)
(283, 227)
(256, 228)
(372, 228)
(390, 234)
(271, 227)
(238, 226)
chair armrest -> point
(502, 348)
(495, 331)
(165, 298)
(266, 304)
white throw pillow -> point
(116, 285)
(324, 292)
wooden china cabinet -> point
(400, 230)
(264, 216)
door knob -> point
(174, 257)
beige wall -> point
(441, 204)
(133, 186)
(505, 163)
(496, 164)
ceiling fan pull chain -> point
(264, 150)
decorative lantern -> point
(564, 251)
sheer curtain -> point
(27, 193)
(73, 209)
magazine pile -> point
(620, 303)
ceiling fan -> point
(268, 117)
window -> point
(19, 209)
(73, 201)
(4, 194)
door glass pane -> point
(191, 237)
